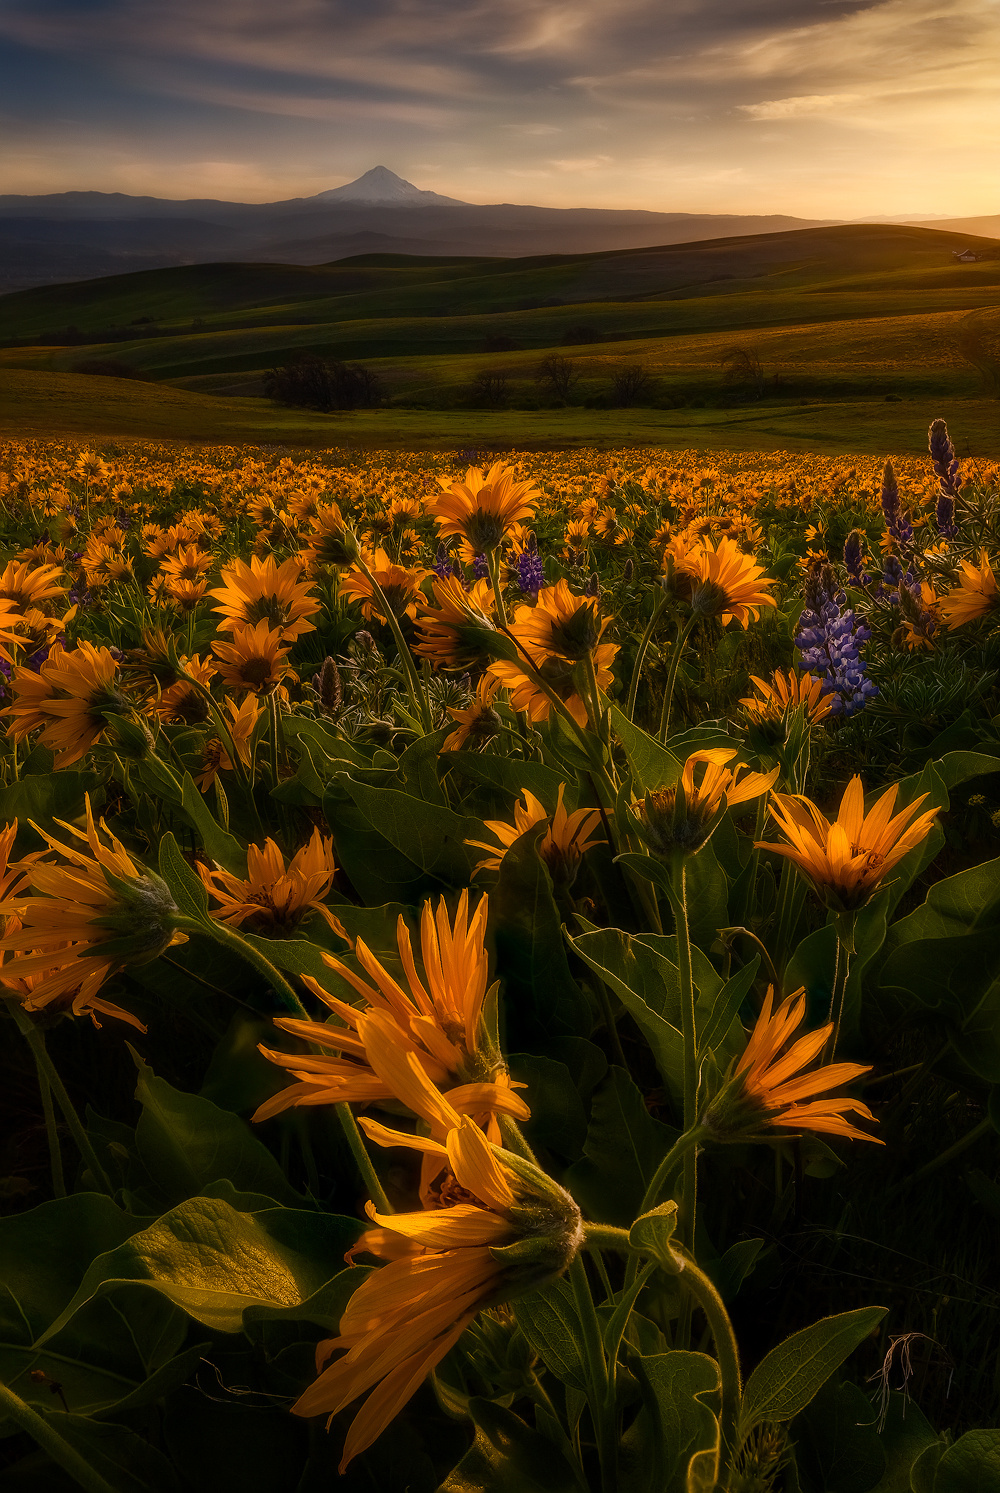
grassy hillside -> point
(856, 313)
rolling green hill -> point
(858, 312)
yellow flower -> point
(563, 845)
(479, 722)
(256, 659)
(94, 914)
(439, 1024)
(28, 585)
(400, 587)
(443, 630)
(974, 596)
(263, 592)
(560, 625)
(498, 1227)
(484, 507)
(769, 1091)
(329, 543)
(180, 702)
(67, 698)
(272, 898)
(846, 860)
(725, 583)
(682, 817)
(242, 721)
(787, 690)
(526, 695)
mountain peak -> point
(380, 185)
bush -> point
(309, 382)
(489, 388)
(559, 373)
(580, 332)
(744, 373)
(632, 384)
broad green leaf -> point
(185, 1141)
(791, 1374)
(551, 1323)
(186, 886)
(396, 848)
(558, 1118)
(506, 777)
(44, 798)
(707, 897)
(221, 846)
(214, 1261)
(652, 1234)
(653, 765)
(126, 1461)
(972, 1465)
(624, 1146)
(540, 991)
(508, 1457)
(947, 950)
(716, 1029)
(904, 1435)
(675, 1423)
(837, 1440)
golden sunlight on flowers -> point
(976, 594)
(66, 698)
(769, 1091)
(562, 626)
(847, 860)
(484, 507)
(681, 817)
(438, 1018)
(725, 583)
(478, 723)
(445, 1263)
(563, 845)
(95, 912)
(399, 586)
(241, 721)
(256, 659)
(263, 592)
(447, 631)
(783, 694)
(272, 898)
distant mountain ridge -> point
(67, 236)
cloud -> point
(796, 107)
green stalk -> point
(494, 573)
(675, 658)
(230, 939)
(220, 722)
(842, 971)
(44, 1433)
(44, 1064)
(352, 1134)
(677, 894)
(962, 1144)
(726, 1352)
(640, 657)
(674, 1158)
(602, 1413)
(51, 1134)
(421, 707)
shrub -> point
(559, 373)
(632, 384)
(309, 382)
(489, 388)
(743, 371)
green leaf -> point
(531, 956)
(124, 1459)
(551, 1323)
(837, 1441)
(652, 1233)
(792, 1373)
(947, 951)
(508, 1457)
(219, 845)
(652, 764)
(674, 1424)
(724, 1013)
(507, 777)
(396, 848)
(186, 886)
(44, 799)
(972, 1465)
(558, 1118)
(186, 1142)
(905, 1434)
(214, 1262)
(624, 1146)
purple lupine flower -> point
(854, 549)
(480, 567)
(897, 520)
(35, 660)
(528, 569)
(830, 639)
(442, 563)
(944, 514)
(943, 458)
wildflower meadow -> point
(500, 973)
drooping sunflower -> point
(66, 698)
(563, 845)
(484, 507)
(976, 595)
(185, 594)
(768, 1090)
(181, 702)
(560, 625)
(94, 912)
(449, 633)
(274, 898)
(242, 721)
(725, 583)
(445, 1264)
(785, 692)
(847, 860)
(256, 659)
(29, 584)
(478, 723)
(329, 544)
(400, 587)
(440, 1023)
(263, 592)
(681, 817)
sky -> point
(819, 108)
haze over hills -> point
(69, 236)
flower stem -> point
(230, 939)
(842, 971)
(675, 657)
(677, 894)
(602, 1412)
(42, 1431)
(640, 658)
(44, 1064)
(494, 572)
(220, 722)
(605, 1236)
(418, 699)
(352, 1134)
(51, 1132)
(726, 1352)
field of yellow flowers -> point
(500, 971)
